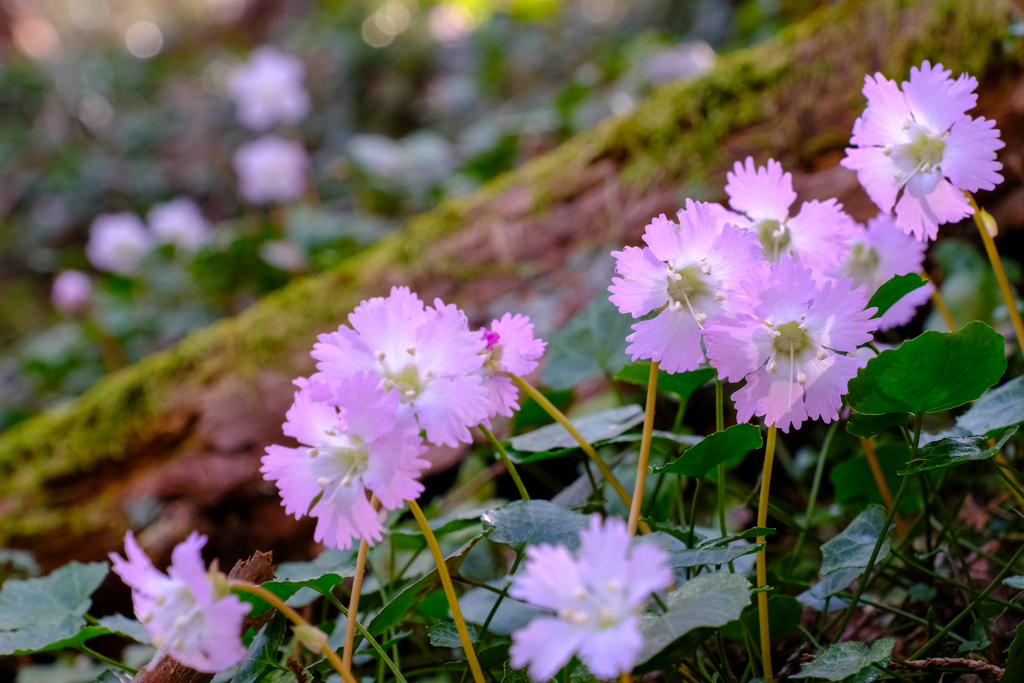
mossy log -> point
(173, 442)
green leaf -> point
(867, 426)
(855, 484)
(510, 675)
(936, 371)
(526, 522)
(996, 409)
(894, 290)
(701, 603)
(740, 536)
(819, 596)
(130, 628)
(853, 545)
(712, 556)
(395, 611)
(446, 634)
(36, 613)
(1014, 670)
(1015, 582)
(682, 384)
(955, 450)
(592, 343)
(784, 615)
(979, 639)
(595, 427)
(262, 656)
(455, 520)
(849, 659)
(714, 450)
(329, 569)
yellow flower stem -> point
(762, 566)
(508, 462)
(353, 600)
(561, 419)
(997, 266)
(625, 677)
(940, 304)
(449, 591)
(883, 487)
(296, 619)
(645, 449)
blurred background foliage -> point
(117, 105)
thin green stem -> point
(812, 499)
(497, 603)
(871, 561)
(105, 659)
(508, 462)
(970, 608)
(370, 639)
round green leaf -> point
(936, 371)
(894, 290)
(714, 450)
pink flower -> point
(814, 237)
(879, 253)
(268, 89)
(271, 170)
(71, 291)
(427, 354)
(179, 222)
(191, 612)
(355, 440)
(118, 242)
(918, 138)
(597, 597)
(511, 349)
(693, 270)
(788, 345)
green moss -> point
(782, 98)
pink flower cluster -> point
(403, 368)
(779, 301)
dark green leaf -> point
(596, 427)
(869, 425)
(38, 612)
(706, 601)
(853, 545)
(784, 615)
(712, 556)
(854, 481)
(849, 659)
(715, 449)
(1014, 670)
(511, 675)
(682, 535)
(894, 290)
(395, 611)
(262, 656)
(955, 450)
(526, 522)
(446, 634)
(329, 569)
(997, 409)
(936, 371)
(593, 343)
(682, 384)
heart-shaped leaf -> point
(39, 613)
(866, 426)
(853, 545)
(714, 450)
(446, 634)
(527, 522)
(997, 409)
(847, 659)
(936, 371)
(706, 601)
